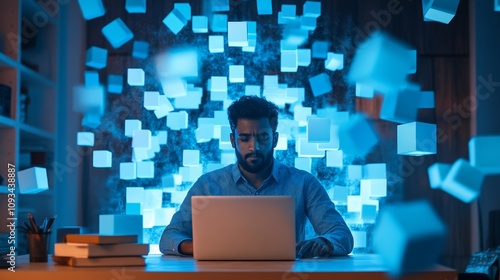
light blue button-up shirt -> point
(311, 201)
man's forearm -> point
(186, 247)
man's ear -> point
(231, 137)
(275, 139)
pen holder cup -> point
(38, 246)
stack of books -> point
(92, 250)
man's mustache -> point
(254, 155)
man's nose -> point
(254, 143)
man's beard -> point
(266, 160)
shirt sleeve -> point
(180, 227)
(325, 219)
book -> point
(96, 262)
(82, 250)
(100, 239)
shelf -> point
(37, 132)
(33, 78)
(7, 122)
(6, 61)
(30, 7)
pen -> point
(33, 223)
(51, 221)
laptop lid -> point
(243, 227)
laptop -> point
(243, 227)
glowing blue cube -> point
(115, 84)
(168, 181)
(146, 169)
(178, 197)
(376, 187)
(135, 6)
(204, 133)
(192, 100)
(96, 57)
(357, 136)
(219, 23)
(264, 7)
(271, 82)
(164, 108)
(369, 213)
(374, 171)
(236, 74)
(484, 153)
(305, 149)
(102, 159)
(320, 49)
(289, 61)
(312, 9)
(131, 125)
(216, 44)
(91, 8)
(320, 84)
(140, 49)
(91, 119)
(135, 77)
(85, 139)
(364, 91)
(381, 62)
(88, 99)
(128, 171)
(252, 90)
(400, 107)
(219, 84)
(416, 139)
(440, 10)
(334, 158)
(175, 21)
(334, 61)
(190, 157)
(112, 224)
(117, 33)
(177, 120)
(294, 95)
(200, 24)
(220, 118)
(304, 57)
(288, 11)
(359, 238)
(408, 245)
(133, 209)
(301, 114)
(318, 130)
(463, 181)
(32, 180)
(162, 137)
(308, 23)
(437, 173)
(426, 100)
(140, 154)
(354, 203)
(354, 172)
(237, 34)
(340, 194)
(333, 144)
(155, 144)
(141, 139)
(91, 78)
(220, 5)
(174, 87)
(413, 57)
(184, 9)
(303, 163)
(497, 6)
(151, 100)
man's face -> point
(254, 143)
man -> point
(254, 122)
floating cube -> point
(484, 153)
(288, 11)
(131, 125)
(85, 139)
(146, 169)
(148, 218)
(134, 194)
(163, 216)
(303, 163)
(175, 21)
(305, 149)
(91, 78)
(155, 144)
(218, 84)
(301, 114)
(115, 84)
(88, 99)
(190, 157)
(426, 100)
(162, 136)
(153, 198)
(289, 61)
(334, 61)
(318, 130)
(320, 49)
(400, 107)
(354, 172)
(364, 91)
(117, 33)
(184, 9)
(91, 119)
(178, 197)
(96, 57)
(308, 23)
(271, 82)
(374, 171)
(237, 34)
(178, 63)
(369, 212)
(312, 9)
(174, 87)
(304, 57)
(151, 100)
(133, 209)
(204, 133)
(252, 90)
(408, 245)
(177, 120)
(135, 6)
(169, 181)
(437, 173)
(264, 7)
(354, 203)
(416, 139)
(320, 84)
(135, 77)
(128, 171)
(294, 34)
(357, 136)
(216, 44)
(32, 180)
(463, 181)
(439, 10)
(91, 8)
(227, 158)
(359, 237)
(192, 100)
(112, 224)
(219, 5)
(219, 23)
(294, 95)
(191, 173)
(382, 63)
(236, 74)
(164, 107)
(141, 139)
(334, 158)
(333, 144)
(140, 49)
(375, 187)
(102, 159)
(200, 24)
(140, 154)
(340, 194)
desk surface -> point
(168, 267)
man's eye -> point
(244, 138)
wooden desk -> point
(163, 267)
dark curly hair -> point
(253, 108)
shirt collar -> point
(236, 173)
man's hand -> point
(186, 247)
(316, 247)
